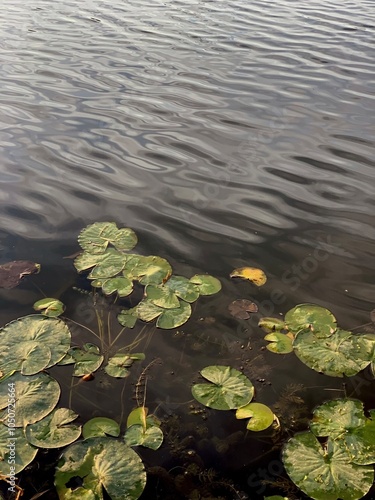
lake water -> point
(225, 133)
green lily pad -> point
(173, 318)
(151, 437)
(279, 343)
(325, 473)
(183, 288)
(87, 360)
(36, 396)
(207, 285)
(148, 270)
(96, 237)
(344, 420)
(108, 264)
(54, 430)
(14, 446)
(119, 363)
(230, 389)
(162, 296)
(310, 316)
(340, 354)
(270, 325)
(261, 416)
(49, 307)
(147, 311)
(33, 343)
(103, 464)
(100, 426)
(128, 317)
(137, 416)
(121, 285)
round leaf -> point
(340, 354)
(151, 437)
(320, 320)
(123, 286)
(101, 463)
(147, 311)
(325, 473)
(128, 317)
(270, 325)
(37, 396)
(173, 318)
(100, 426)
(49, 307)
(230, 389)
(112, 260)
(12, 273)
(54, 430)
(183, 288)
(118, 365)
(241, 308)
(261, 416)
(96, 237)
(14, 446)
(256, 276)
(87, 360)
(207, 285)
(161, 296)
(279, 343)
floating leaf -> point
(207, 285)
(96, 237)
(137, 417)
(118, 365)
(87, 360)
(151, 437)
(54, 430)
(276, 497)
(150, 270)
(102, 464)
(256, 276)
(241, 308)
(230, 389)
(318, 319)
(14, 446)
(33, 343)
(173, 318)
(344, 419)
(12, 273)
(128, 317)
(279, 343)
(147, 311)
(183, 288)
(121, 285)
(340, 354)
(325, 473)
(261, 416)
(107, 264)
(270, 325)
(49, 307)
(100, 426)
(162, 296)
(37, 396)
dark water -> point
(225, 133)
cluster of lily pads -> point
(311, 331)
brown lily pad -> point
(12, 272)
(241, 308)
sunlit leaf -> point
(128, 317)
(183, 288)
(119, 364)
(162, 296)
(173, 318)
(230, 389)
(270, 325)
(279, 343)
(14, 446)
(256, 276)
(121, 285)
(100, 426)
(49, 307)
(261, 416)
(12, 273)
(96, 237)
(151, 437)
(147, 311)
(242, 308)
(87, 360)
(318, 319)
(207, 285)
(55, 430)
(137, 417)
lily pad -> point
(96, 237)
(55, 430)
(102, 464)
(151, 437)
(128, 317)
(325, 473)
(242, 308)
(183, 288)
(270, 325)
(14, 446)
(279, 343)
(340, 354)
(173, 318)
(230, 389)
(87, 360)
(12, 273)
(162, 296)
(49, 307)
(121, 285)
(261, 416)
(100, 426)
(207, 285)
(253, 274)
(318, 319)
(106, 265)
(148, 270)
(33, 343)
(37, 395)
(147, 311)
(118, 365)
(344, 420)
(138, 416)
